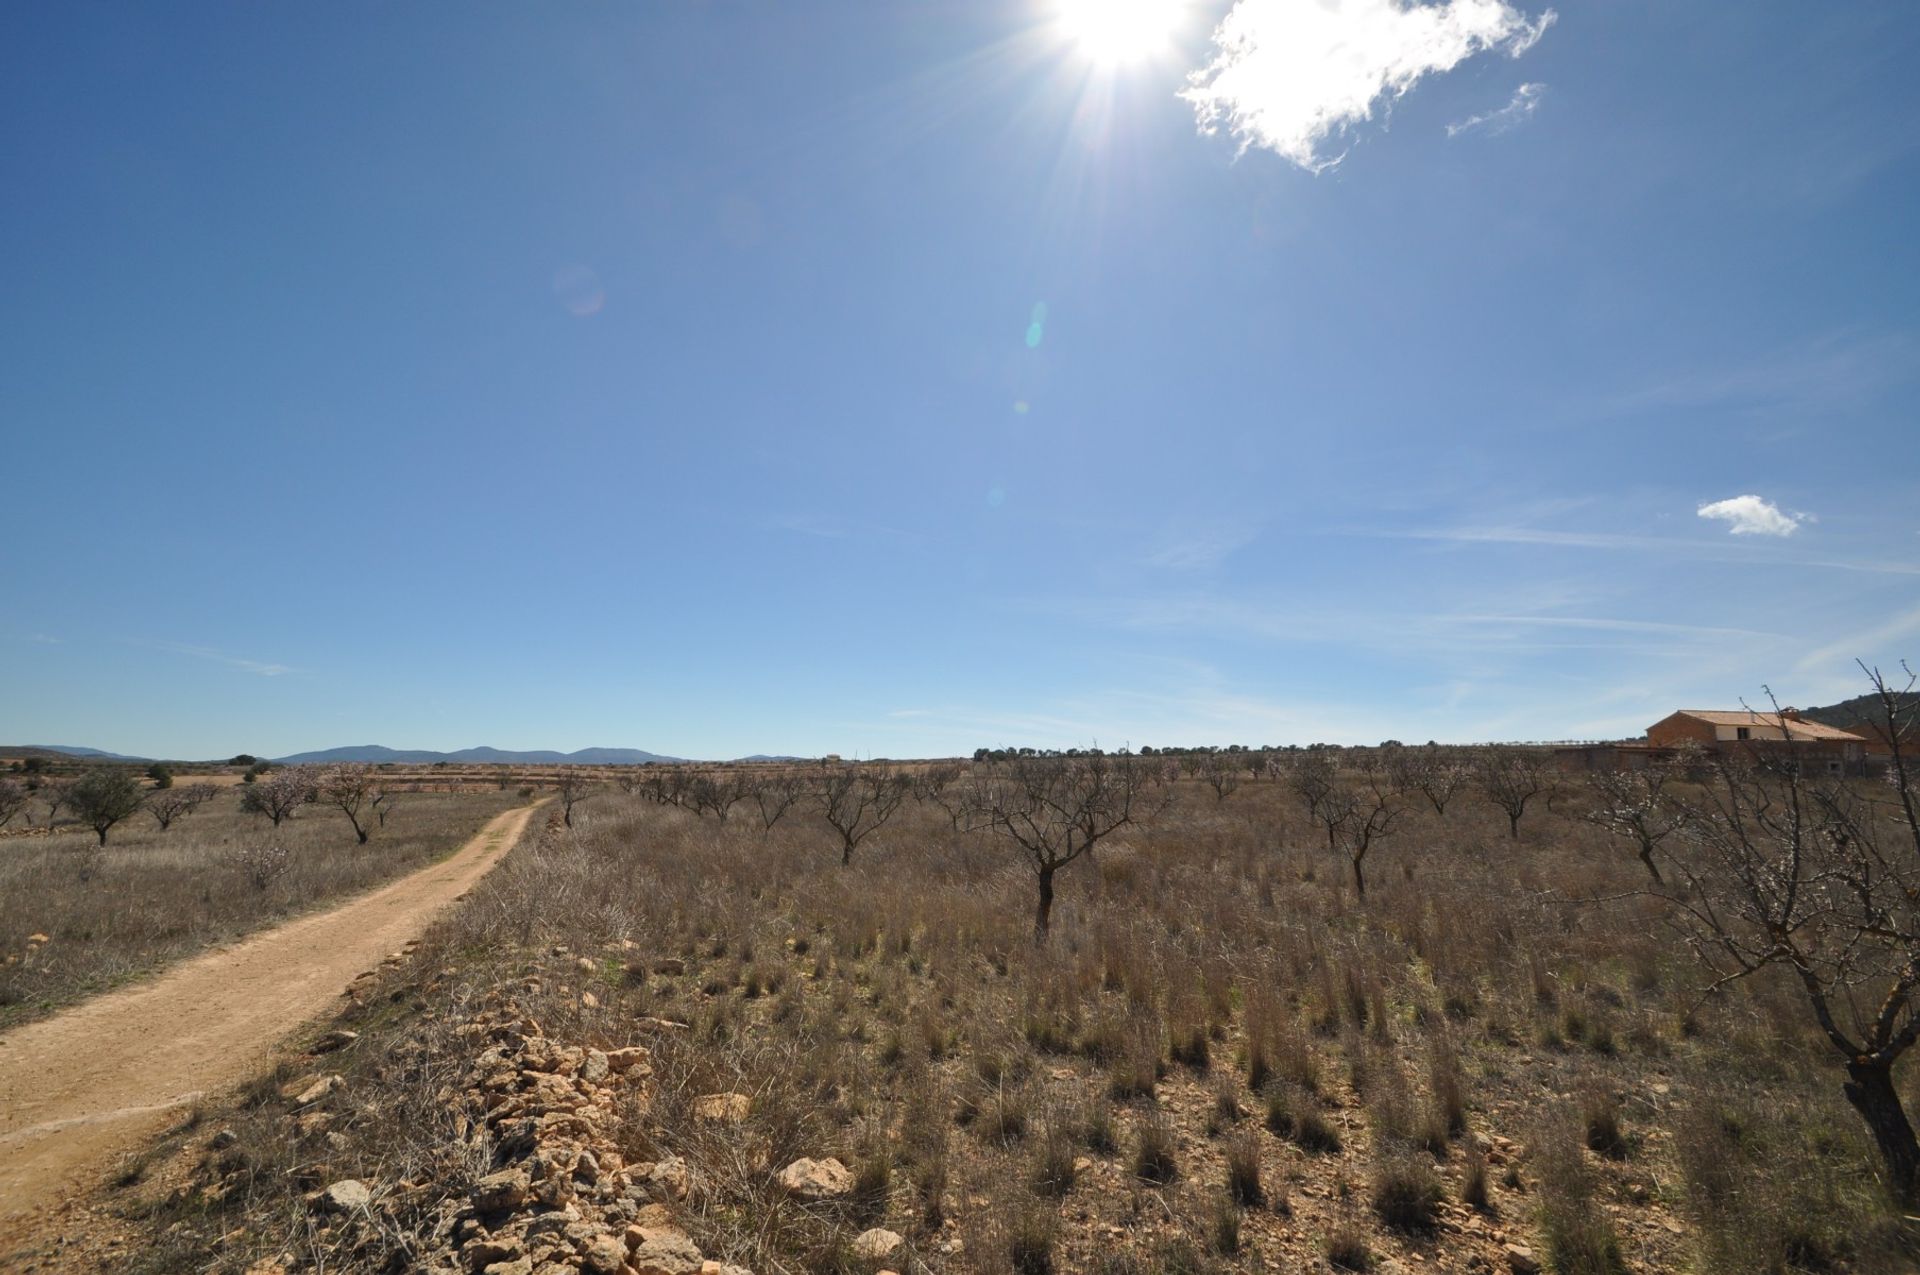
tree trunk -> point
(1359, 878)
(1043, 907)
(846, 852)
(103, 835)
(1513, 825)
(1870, 1089)
(1653, 869)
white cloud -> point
(1287, 75)
(1752, 516)
(258, 667)
(1525, 99)
(1201, 550)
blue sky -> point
(722, 376)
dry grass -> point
(1470, 1056)
(151, 897)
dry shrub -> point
(1243, 1172)
(1580, 1240)
(1406, 1193)
(1154, 1157)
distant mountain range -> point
(479, 756)
(377, 753)
(66, 750)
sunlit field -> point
(77, 918)
(1221, 1056)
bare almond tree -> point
(1437, 775)
(54, 793)
(1510, 778)
(937, 786)
(278, 793)
(350, 789)
(1366, 814)
(384, 799)
(1311, 776)
(1820, 879)
(715, 795)
(932, 781)
(773, 796)
(1219, 771)
(1636, 806)
(575, 786)
(857, 801)
(168, 804)
(1056, 810)
(14, 797)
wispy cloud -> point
(1289, 75)
(1752, 516)
(1867, 644)
(1605, 625)
(1712, 551)
(1836, 370)
(1525, 99)
(259, 668)
(1199, 551)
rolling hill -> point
(479, 756)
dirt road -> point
(82, 1089)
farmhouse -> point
(1720, 731)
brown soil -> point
(83, 1089)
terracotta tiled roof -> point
(1770, 723)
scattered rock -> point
(660, 1025)
(666, 966)
(222, 1140)
(1520, 1260)
(877, 1244)
(347, 1196)
(518, 1266)
(662, 1250)
(722, 1108)
(334, 1041)
(604, 1254)
(306, 1092)
(621, 1061)
(815, 1180)
(499, 1192)
(670, 1178)
(482, 1254)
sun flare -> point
(1113, 32)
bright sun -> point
(1115, 31)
